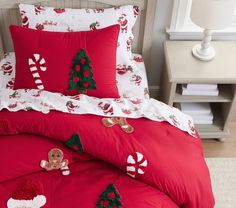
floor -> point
(223, 180)
(215, 148)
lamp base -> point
(203, 54)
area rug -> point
(223, 177)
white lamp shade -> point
(213, 14)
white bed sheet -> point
(127, 106)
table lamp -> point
(210, 15)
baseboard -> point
(154, 91)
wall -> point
(162, 20)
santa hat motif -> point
(28, 194)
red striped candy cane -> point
(136, 164)
(36, 63)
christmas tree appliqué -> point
(81, 77)
(74, 143)
(110, 198)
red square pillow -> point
(69, 63)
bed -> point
(93, 149)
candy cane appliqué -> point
(36, 63)
(65, 170)
(136, 164)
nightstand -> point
(183, 68)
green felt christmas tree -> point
(81, 77)
(74, 143)
(109, 198)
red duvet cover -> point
(157, 165)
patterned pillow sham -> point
(57, 19)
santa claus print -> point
(174, 120)
(129, 43)
(138, 59)
(71, 107)
(38, 93)
(11, 106)
(192, 129)
(59, 10)
(7, 68)
(10, 84)
(94, 25)
(123, 23)
(39, 26)
(118, 100)
(126, 111)
(106, 107)
(76, 97)
(126, 96)
(136, 79)
(38, 9)
(136, 11)
(137, 101)
(123, 69)
(24, 19)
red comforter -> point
(157, 165)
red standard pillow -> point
(69, 63)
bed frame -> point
(9, 14)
